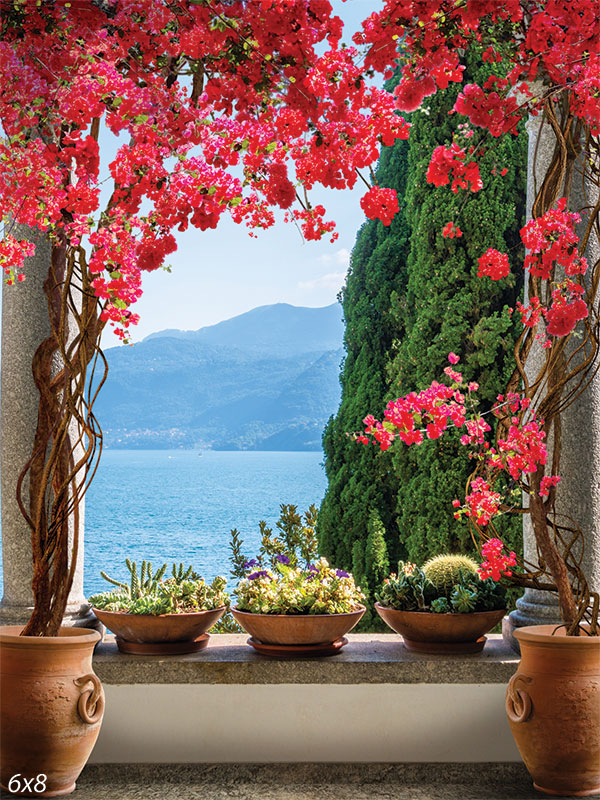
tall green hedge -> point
(446, 307)
(359, 481)
(411, 297)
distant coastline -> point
(266, 380)
(183, 440)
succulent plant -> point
(440, 606)
(463, 599)
(412, 589)
(408, 590)
(149, 593)
(145, 583)
(446, 571)
(490, 595)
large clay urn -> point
(553, 706)
(51, 706)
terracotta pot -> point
(298, 629)
(51, 709)
(553, 706)
(427, 632)
(142, 628)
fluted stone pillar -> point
(578, 495)
(25, 324)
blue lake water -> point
(174, 505)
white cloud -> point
(333, 280)
(341, 257)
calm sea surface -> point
(177, 505)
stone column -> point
(578, 495)
(24, 326)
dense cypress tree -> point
(359, 481)
(446, 307)
(411, 297)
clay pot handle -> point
(91, 700)
(518, 701)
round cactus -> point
(448, 570)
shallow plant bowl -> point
(426, 632)
(163, 648)
(160, 628)
(298, 629)
(298, 650)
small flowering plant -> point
(287, 576)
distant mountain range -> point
(264, 380)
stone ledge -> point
(306, 781)
(368, 658)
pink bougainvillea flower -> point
(380, 203)
(493, 264)
(496, 563)
(451, 230)
(547, 482)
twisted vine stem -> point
(568, 368)
(68, 439)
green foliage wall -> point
(446, 307)
(411, 297)
(359, 480)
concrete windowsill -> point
(367, 658)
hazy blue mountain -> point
(278, 329)
(264, 380)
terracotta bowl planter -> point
(298, 630)
(426, 632)
(553, 707)
(162, 633)
(51, 706)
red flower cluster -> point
(313, 225)
(498, 114)
(566, 310)
(476, 427)
(493, 264)
(410, 92)
(548, 481)
(530, 315)
(451, 230)
(435, 407)
(523, 450)
(482, 503)
(431, 412)
(379, 203)
(447, 160)
(273, 103)
(496, 563)
(552, 242)
(12, 255)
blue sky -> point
(219, 274)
